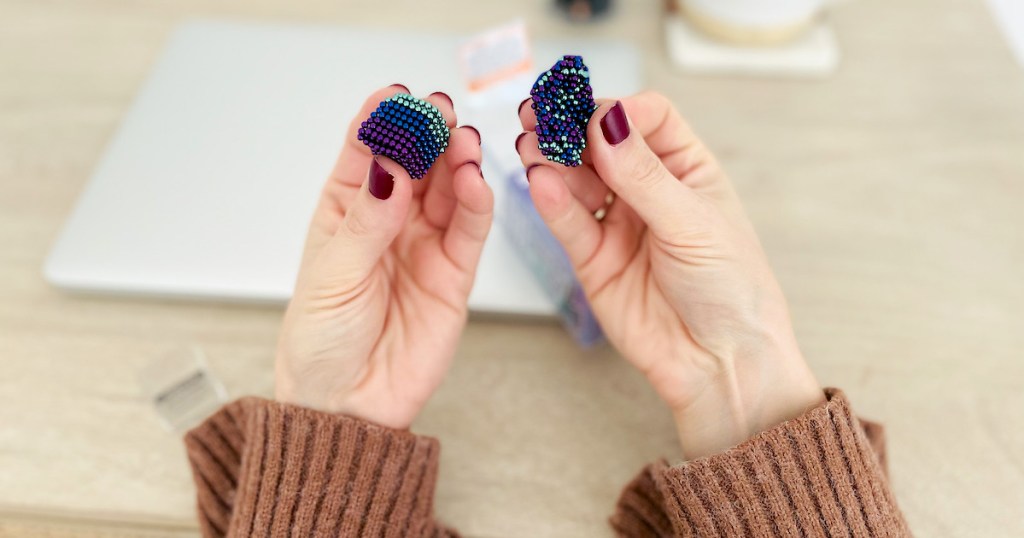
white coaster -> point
(815, 54)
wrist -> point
(752, 394)
(313, 392)
(368, 402)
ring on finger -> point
(602, 211)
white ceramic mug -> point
(752, 21)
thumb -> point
(375, 216)
(629, 167)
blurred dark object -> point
(584, 10)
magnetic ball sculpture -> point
(408, 130)
(412, 132)
(563, 102)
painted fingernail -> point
(614, 125)
(446, 96)
(475, 131)
(527, 100)
(403, 86)
(528, 168)
(381, 181)
(518, 138)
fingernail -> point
(476, 165)
(445, 95)
(476, 132)
(403, 86)
(528, 168)
(614, 125)
(527, 100)
(518, 138)
(381, 181)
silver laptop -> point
(207, 187)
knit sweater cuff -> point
(816, 475)
(267, 468)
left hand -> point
(381, 296)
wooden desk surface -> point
(890, 198)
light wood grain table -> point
(890, 198)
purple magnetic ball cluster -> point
(408, 130)
(563, 102)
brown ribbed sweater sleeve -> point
(264, 468)
(820, 474)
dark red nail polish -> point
(381, 182)
(518, 138)
(475, 131)
(403, 86)
(446, 96)
(527, 100)
(614, 125)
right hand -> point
(675, 272)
